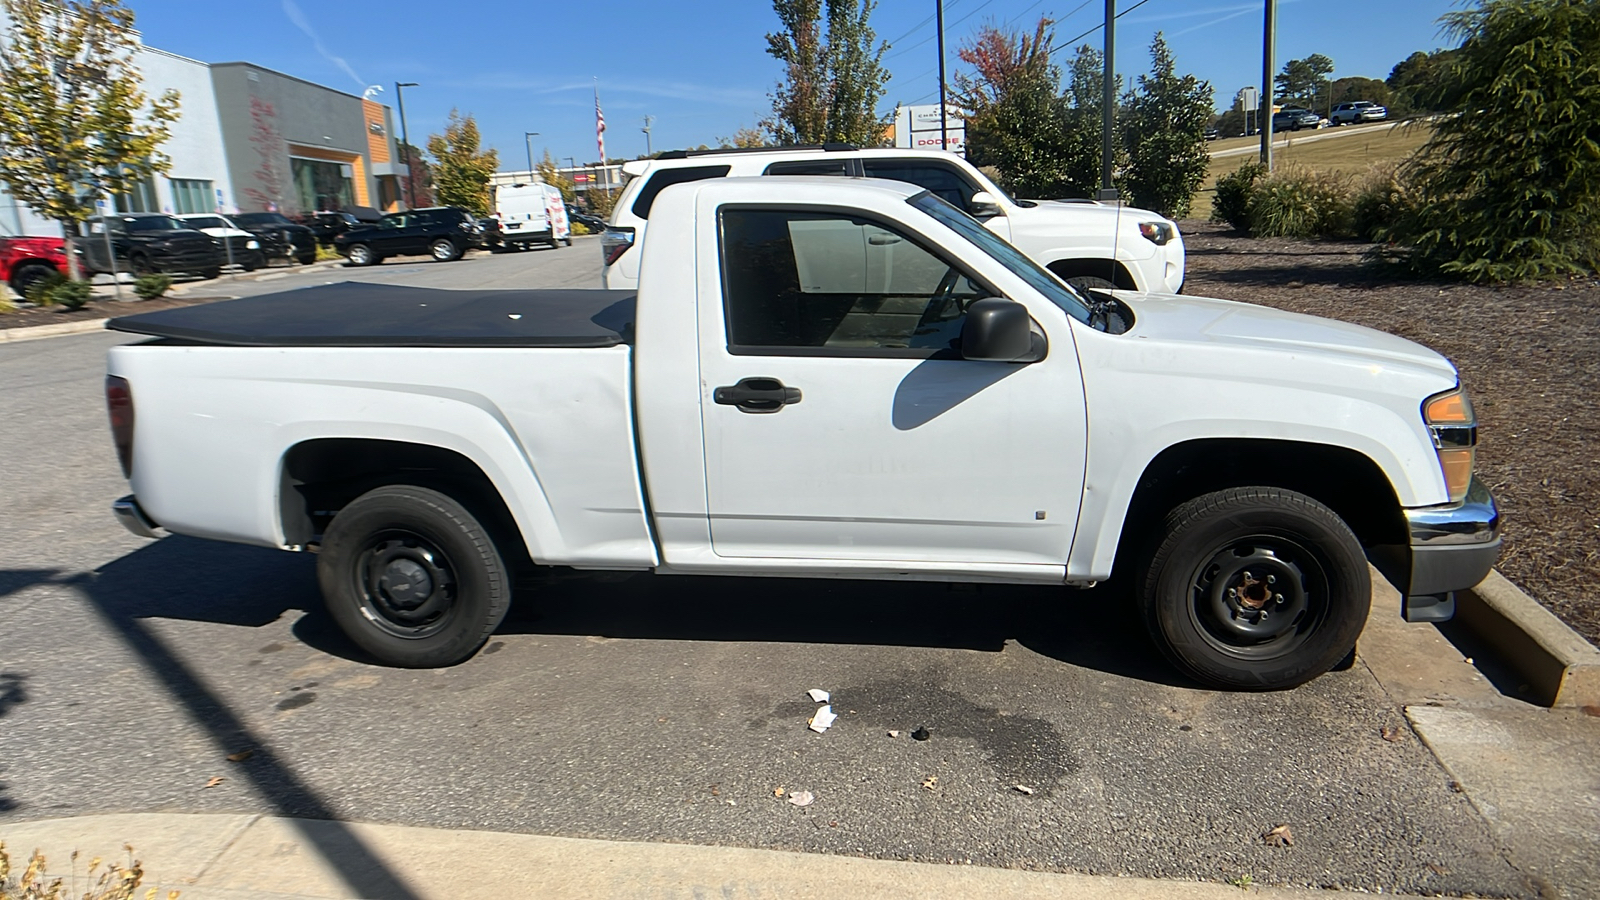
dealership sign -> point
(918, 127)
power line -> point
(1058, 45)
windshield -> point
(1037, 277)
(263, 218)
(154, 223)
(206, 222)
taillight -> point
(119, 403)
(614, 242)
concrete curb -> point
(249, 857)
(35, 332)
(1563, 669)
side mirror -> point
(999, 330)
(984, 206)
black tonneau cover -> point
(355, 314)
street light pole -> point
(527, 138)
(944, 135)
(1108, 188)
(405, 141)
(648, 121)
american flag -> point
(599, 125)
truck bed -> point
(356, 314)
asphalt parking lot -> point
(671, 709)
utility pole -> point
(527, 138)
(944, 136)
(648, 121)
(1108, 190)
(405, 140)
(1269, 39)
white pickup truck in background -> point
(828, 378)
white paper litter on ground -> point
(801, 798)
(824, 717)
(818, 696)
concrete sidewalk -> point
(222, 857)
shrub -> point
(6, 305)
(1232, 203)
(1381, 200)
(41, 292)
(1296, 202)
(72, 294)
(579, 229)
(113, 882)
(149, 287)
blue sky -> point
(700, 68)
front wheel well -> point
(1111, 270)
(319, 477)
(1348, 482)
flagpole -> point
(600, 137)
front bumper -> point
(1453, 548)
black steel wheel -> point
(1255, 588)
(411, 576)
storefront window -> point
(192, 195)
(322, 185)
(141, 198)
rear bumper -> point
(1453, 548)
(133, 517)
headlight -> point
(252, 245)
(1454, 429)
(1158, 233)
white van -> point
(530, 213)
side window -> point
(942, 181)
(797, 281)
(665, 178)
(810, 167)
(390, 223)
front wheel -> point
(306, 259)
(412, 577)
(1255, 588)
(361, 255)
(443, 250)
(212, 273)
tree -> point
(271, 181)
(75, 124)
(461, 170)
(1416, 80)
(1162, 127)
(419, 178)
(1508, 186)
(832, 83)
(743, 138)
(551, 173)
(1304, 82)
(1346, 90)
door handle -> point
(757, 395)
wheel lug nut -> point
(1246, 575)
(1233, 592)
(1272, 579)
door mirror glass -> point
(998, 330)
(984, 206)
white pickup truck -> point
(830, 378)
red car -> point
(24, 260)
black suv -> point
(329, 225)
(443, 232)
(280, 237)
(147, 243)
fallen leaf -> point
(215, 781)
(1455, 787)
(801, 798)
(1023, 789)
(777, 792)
(1390, 733)
(1592, 710)
(930, 781)
(1281, 836)
(241, 756)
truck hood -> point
(1201, 321)
(1079, 211)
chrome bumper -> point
(1452, 548)
(133, 518)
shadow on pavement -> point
(189, 579)
(13, 692)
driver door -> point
(885, 445)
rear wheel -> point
(412, 577)
(27, 276)
(361, 255)
(444, 250)
(567, 240)
(140, 264)
(1255, 588)
(213, 272)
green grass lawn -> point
(1351, 155)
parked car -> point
(238, 245)
(530, 214)
(490, 237)
(595, 224)
(281, 238)
(1293, 118)
(328, 225)
(1089, 244)
(1358, 111)
(823, 378)
(443, 232)
(148, 243)
(25, 260)
(1212, 133)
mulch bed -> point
(29, 316)
(1529, 356)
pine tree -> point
(1162, 126)
(461, 169)
(75, 124)
(833, 82)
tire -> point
(385, 544)
(1091, 283)
(362, 255)
(213, 272)
(26, 276)
(444, 250)
(139, 264)
(1224, 553)
(253, 261)
(567, 240)
(555, 242)
(306, 259)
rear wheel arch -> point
(319, 477)
(29, 271)
(1110, 270)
